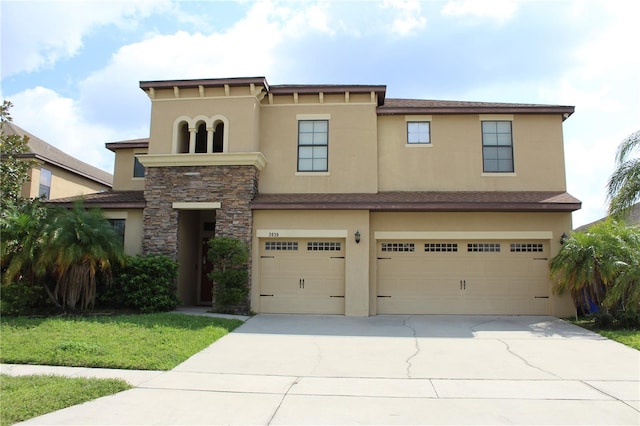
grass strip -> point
(139, 342)
(627, 337)
(25, 397)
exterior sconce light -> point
(563, 238)
(357, 236)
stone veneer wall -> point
(233, 186)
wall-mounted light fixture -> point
(563, 238)
(357, 236)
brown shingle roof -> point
(426, 106)
(105, 200)
(131, 143)
(43, 151)
(421, 201)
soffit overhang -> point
(423, 202)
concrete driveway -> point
(432, 369)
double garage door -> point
(502, 277)
(304, 276)
(462, 277)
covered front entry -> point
(462, 277)
(299, 275)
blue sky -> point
(72, 68)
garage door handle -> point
(337, 257)
(540, 258)
(266, 295)
(382, 258)
(540, 297)
(301, 282)
(384, 296)
(267, 257)
(337, 296)
(463, 284)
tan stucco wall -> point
(453, 160)
(352, 149)
(556, 223)
(356, 255)
(242, 115)
(63, 183)
(132, 228)
(123, 179)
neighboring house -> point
(632, 218)
(56, 174)
(352, 203)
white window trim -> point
(313, 174)
(499, 174)
(302, 117)
(311, 117)
(417, 119)
(209, 122)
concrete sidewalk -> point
(295, 369)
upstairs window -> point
(44, 189)
(138, 168)
(418, 132)
(200, 135)
(313, 145)
(497, 147)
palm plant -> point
(80, 245)
(624, 183)
(600, 266)
(22, 241)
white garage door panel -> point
(309, 280)
(462, 282)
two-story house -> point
(352, 203)
(56, 174)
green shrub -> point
(145, 284)
(618, 320)
(628, 320)
(230, 275)
(603, 320)
(21, 299)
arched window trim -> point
(193, 124)
(176, 132)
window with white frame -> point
(418, 132)
(44, 189)
(313, 145)
(138, 168)
(497, 147)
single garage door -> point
(302, 276)
(462, 277)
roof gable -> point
(48, 153)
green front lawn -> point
(31, 396)
(144, 342)
(139, 342)
(630, 338)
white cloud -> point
(36, 35)
(408, 17)
(500, 10)
(57, 121)
(112, 107)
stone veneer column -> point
(233, 186)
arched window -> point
(183, 138)
(201, 138)
(200, 135)
(218, 137)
